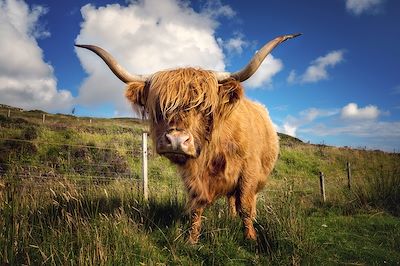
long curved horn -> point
(256, 61)
(116, 68)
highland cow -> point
(222, 143)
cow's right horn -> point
(256, 61)
(116, 68)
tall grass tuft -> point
(282, 228)
(381, 190)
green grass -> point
(357, 239)
(63, 222)
(63, 200)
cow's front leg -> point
(248, 213)
(195, 224)
(231, 199)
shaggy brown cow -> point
(223, 143)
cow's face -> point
(181, 135)
(183, 106)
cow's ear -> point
(230, 91)
(136, 92)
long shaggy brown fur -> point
(239, 145)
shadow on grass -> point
(153, 213)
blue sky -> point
(337, 84)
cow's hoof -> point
(251, 235)
(193, 240)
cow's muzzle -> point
(177, 145)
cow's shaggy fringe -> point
(182, 90)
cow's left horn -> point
(116, 68)
(256, 61)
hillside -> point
(70, 191)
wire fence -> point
(28, 157)
(85, 173)
(105, 162)
(63, 166)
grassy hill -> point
(70, 193)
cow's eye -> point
(158, 114)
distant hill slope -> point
(63, 141)
(35, 117)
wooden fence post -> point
(348, 175)
(43, 118)
(144, 166)
(69, 158)
(9, 113)
(322, 185)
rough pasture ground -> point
(70, 215)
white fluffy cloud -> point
(318, 68)
(25, 79)
(214, 8)
(383, 135)
(358, 7)
(348, 123)
(352, 111)
(150, 35)
(349, 119)
(145, 37)
(289, 129)
(234, 45)
(263, 77)
(292, 124)
(292, 78)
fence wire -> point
(101, 168)
(66, 145)
(90, 172)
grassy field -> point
(70, 193)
